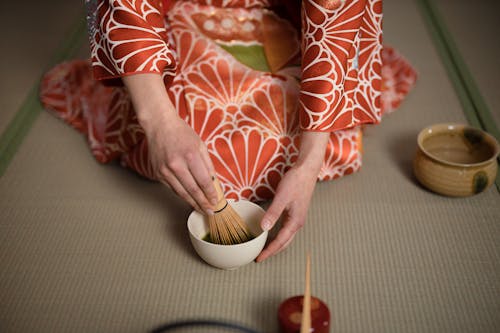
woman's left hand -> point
(294, 193)
(291, 201)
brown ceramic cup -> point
(456, 160)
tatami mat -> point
(32, 31)
(92, 248)
(475, 27)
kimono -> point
(247, 75)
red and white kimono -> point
(247, 75)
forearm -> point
(150, 99)
(312, 151)
(177, 155)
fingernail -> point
(209, 212)
(266, 225)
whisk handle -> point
(222, 202)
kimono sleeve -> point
(331, 39)
(128, 37)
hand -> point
(179, 158)
(294, 193)
(291, 201)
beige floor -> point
(91, 248)
(33, 31)
(475, 26)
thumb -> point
(273, 213)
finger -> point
(282, 240)
(172, 182)
(181, 192)
(273, 213)
(207, 160)
(268, 253)
(193, 189)
(203, 178)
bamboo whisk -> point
(226, 226)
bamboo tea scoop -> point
(304, 313)
(305, 326)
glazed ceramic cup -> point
(229, 256)
(455, 160)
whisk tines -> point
(226, 226)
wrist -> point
(150, 99)
(312, 150)
(152, 115)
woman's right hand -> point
(179, 157)
(180, 160)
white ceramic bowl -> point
(229, 256)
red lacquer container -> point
(290, 315)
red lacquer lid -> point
(290, 315)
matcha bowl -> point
(229, 256)
(455, 160)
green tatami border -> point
(21, 123)
(473, 104)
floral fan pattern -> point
(241, 94)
